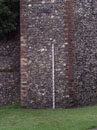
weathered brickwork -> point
(9, 72)
(23, 54)
(70, 27)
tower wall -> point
(58, 46)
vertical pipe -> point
(53, 76)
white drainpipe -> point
(53, 76)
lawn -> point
(13, 117)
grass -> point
(13, 117)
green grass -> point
(13, 117)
